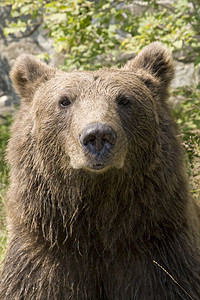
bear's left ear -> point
(28, 73)
(156, 60)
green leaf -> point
(178, 44)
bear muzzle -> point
(98, 140)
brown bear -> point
(98, 205)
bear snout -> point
(98, 139)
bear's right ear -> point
(27, 73)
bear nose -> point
(98, 138)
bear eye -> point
(123, 100)
(64, 102)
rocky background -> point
(36, 42)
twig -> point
(155, 262)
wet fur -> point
(76, 234)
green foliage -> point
(4, 136)
(188, 117)
(175, 26)
(87, 31)
(82, 30)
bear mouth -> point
(98, 166)
(94, 163)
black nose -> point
(98, 138)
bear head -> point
(95, 121)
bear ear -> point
(27, 73)
(156, 60)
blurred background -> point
(77, 34)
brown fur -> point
(79, 233)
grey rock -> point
(185, 75)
